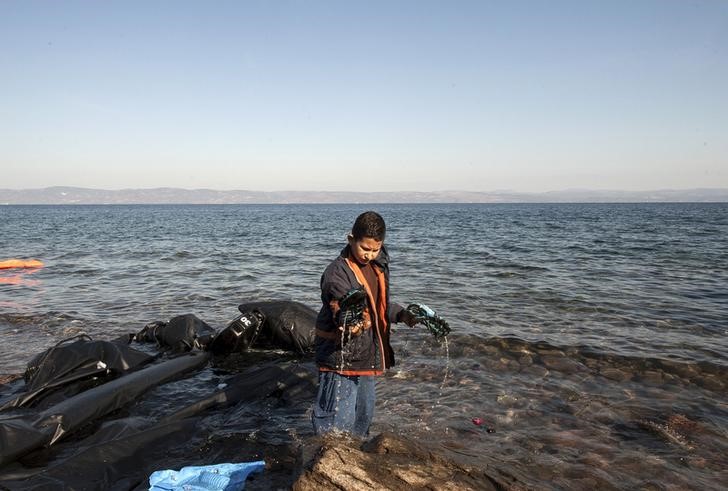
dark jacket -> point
(370, 352)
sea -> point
(590, 339)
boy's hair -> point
(369, 224)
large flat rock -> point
(388, 462)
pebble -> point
(400, 374)
(711, 382)
(551, 352)
(651, 486)
(698, 462)
(683, 370)
(536, 371)
(507, 400)
(525, 360)
(535, 445)
(491, 350)
(651, 377)
(507, 418)
(561, 364)
(615, 374)
(606, 416)
(567, 439)
(593, 459)
(495, 366)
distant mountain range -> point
(83, 196)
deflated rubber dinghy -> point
(21, 434)
(287, 325)
(74, 365)
(182, 333)
(75, 422)
(110, 449)
(274, 324)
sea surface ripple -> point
(592, 337)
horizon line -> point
(494, 191)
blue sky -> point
(344, 95)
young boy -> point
(350, 354)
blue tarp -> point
(218, 477)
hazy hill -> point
(74, 195)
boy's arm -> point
(334, 285)
(397, 313)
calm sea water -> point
(592, 337)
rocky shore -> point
(394, 463)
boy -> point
(350, 354)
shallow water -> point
(592, 338)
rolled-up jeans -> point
(344, 403)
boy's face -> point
(365, 249)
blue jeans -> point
(344, 403)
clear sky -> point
(364, 95)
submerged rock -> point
(536, 371)
(616, 374)
(561, 364)
(525, 360)
(389, 462)
(673, 431)
(652, 377)
(711, 382)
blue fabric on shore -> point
(218, 477)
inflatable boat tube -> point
(74, 366)
(239, 335)
(295, 380)
(21, 435)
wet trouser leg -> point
(344, 403)
(365, 401)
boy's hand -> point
(407, 317)
(355, 328)
(427, 317)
